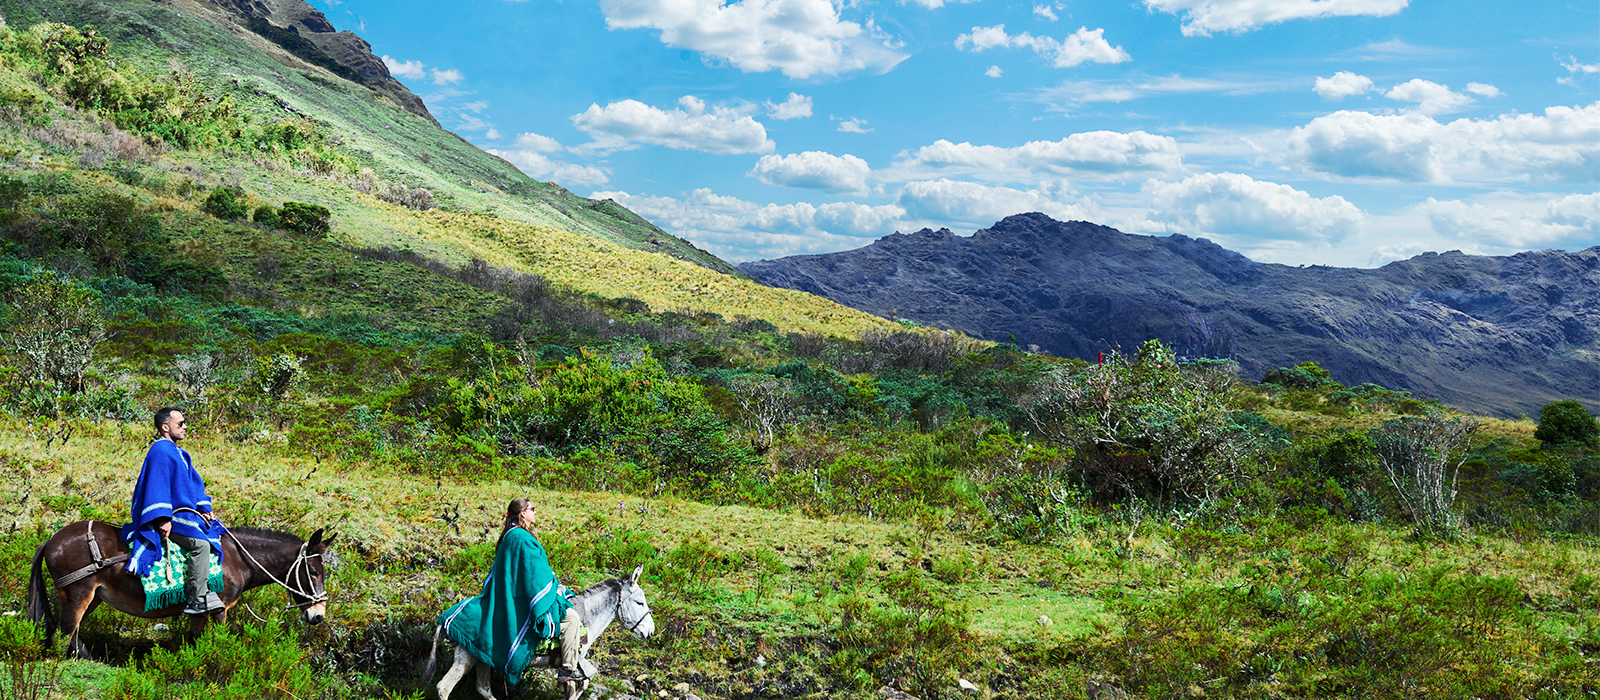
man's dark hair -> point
(163, 415)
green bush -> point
(227, 203)
(1567, 422)
(266, 216)
(305, 219)
(251, 663)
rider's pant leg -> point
(194, 580)
(571, 640)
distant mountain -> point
(1497, 335)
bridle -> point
(313, 593)
(647, 615)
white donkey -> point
(611, 600)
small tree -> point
(1423, 456)
(1146, 426)
(227, 203)
(266, 216)
(767, 402)
(277, 375)
(305, 219)
(1567, 422)
(54, 327)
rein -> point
(299, 567)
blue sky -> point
(1336, 132)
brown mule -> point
(268, 557)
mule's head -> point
(633, 611)
(310, 577)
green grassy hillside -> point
(826, 504)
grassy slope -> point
(399, 560)
(514, 221)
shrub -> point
(305, 219)
(1423, 456)
(252, 663)
(1305, 376)
(227, 203)
(54, 326)
(1567, 422)
(266, 216)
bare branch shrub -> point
(54, 327)
(1423, 456)
(767, 403)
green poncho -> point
(522, 604)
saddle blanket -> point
(164, 585)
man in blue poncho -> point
(170, 501)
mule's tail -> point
(433, 655)
(39, 599)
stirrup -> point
(585, 670)
(210, 604)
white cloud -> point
(1094, 153)
(1484, 90)
(798, 106)
(814, 170)
(446, 77)
(1239, 207)
(1077, 92)
(1563, 143)
(542, 167)
(626, 124)
(993, 72)
(739, 230)
(538, 143)
(1343, 84)
(1045, 12)
(476, 106)
(800, 38)
(1431, 97)
(1202, 17)
(855, 126)
(1079, 47)
(953, 202)
(1573, 66)
(492, 133)
(1513, 225)
(405, 69)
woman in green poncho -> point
(522, 604)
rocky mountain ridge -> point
(1498, 335)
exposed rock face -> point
(1499, 335)
(304, 31)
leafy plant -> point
(227, 203)
(305, 219)
(1567, 422)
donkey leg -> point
(483, 683)
(458, 668)
(76, 603)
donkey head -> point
(633, 611)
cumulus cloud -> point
(1240, 207)
(1561, 144)
(799, 38)
(1202, 17)
(1431, 97)
(798, 106)
(993, 72)
(1343, 84)
(855, 126)
(955, 202)
(1093, 153)
(814, 170)
(541, 167)
(414, 70)
(630, 123)
(1511, 225)
(740, 230)
(492, 134)
(529, 141)
(1484, 90)
(1079, 47)
(1045, 12)
(446, 77)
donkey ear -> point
(316, 537)
(638, 571)
(329, 542)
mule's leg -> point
(76, 602)
(458, 668)
(197, 626)
(483, 683)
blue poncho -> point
(166, 482)
(522, 603)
